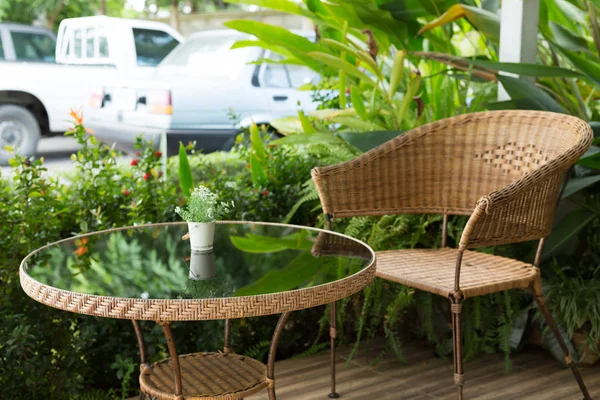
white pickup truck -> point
(42, 78)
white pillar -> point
(518, 34)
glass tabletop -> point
(154, 262)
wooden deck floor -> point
(535, 376)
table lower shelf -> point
(214, 376)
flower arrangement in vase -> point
(201, 212)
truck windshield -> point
(30, 46)
(152, 46)
(208, 56)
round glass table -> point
(149, 272)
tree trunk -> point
(175, 15)
(103, 7)
(51, 18)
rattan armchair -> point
(503, 169)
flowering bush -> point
(203, 206)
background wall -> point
(202, 22)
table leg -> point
(142, 347)
(272, 351)
(166, 325)
(227, 346)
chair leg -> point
(541, 302)
(459, 380)
(332, 335)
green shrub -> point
(57, 354)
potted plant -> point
(201, 212)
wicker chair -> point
(504, 169)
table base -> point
(214, 376)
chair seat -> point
(433, 270)
(214, 376)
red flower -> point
(265, 192)
(157, 153)
(134, 162)
(137, 153)
(147, 176)
(126, 192)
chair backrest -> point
(446, 166)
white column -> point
(518, 34)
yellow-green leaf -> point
(307, 126)
(341, 65)
(486, 22)
(358, 103)
(397, 72)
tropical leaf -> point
(310, 138)
(186, 181)
(591, 69)
(342, 65)
(567, 39)
(298, 272)
(574, 185)
(565, 230)
(358, 103)
(527, 96)
(485, 21)
(365, 141)
(259, 244)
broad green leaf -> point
(357, 54)
(566, 229)
(591, 158)
(567, 39)
(257, 144)
(311, 138)
(574, 185)
(397, 72)
(287, 125)
(186, 182)
(342, 65)
(259, 244)
(571, 11)
(259, 176)
(307, 126)
(527, 96)
(358, 124)
(485, 21)
(501, 105)
(409, 95)
(274, 34)
(526, 69)
(591, 69)
(595, 127)
(358, 103)
(299, 271)
(365, 141)
(332, 113)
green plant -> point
(203, 206)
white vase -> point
(202, 265)
(201, 235)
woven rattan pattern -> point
(214, 376)
(196, 309)
(433, 270)
(442, 167)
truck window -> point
(77, 44)
(90, 45)
(103, 46)
(31, 46)
(152, 46)
(300, 75)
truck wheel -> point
(18, 129)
